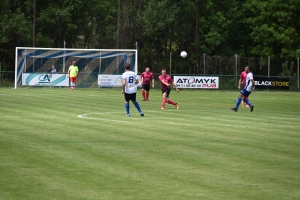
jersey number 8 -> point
(130, 79)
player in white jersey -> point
(246, 91)
(129, 81)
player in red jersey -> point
(146, 77)
(242, 82)
(166, 82)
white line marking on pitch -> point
(87, 116)
(136, 122)
(103, 113)
(35, 116)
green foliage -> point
(15, 30)
(287, 69)
(298, 53)
(252, 28)
(274, 28)
(213, 23)
(159, 17)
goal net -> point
(97, 67)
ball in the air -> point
(183, 54)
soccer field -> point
(61, 144)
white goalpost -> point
(97, 67)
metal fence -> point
(261, 66)
(90, 80)
(227, 68)
(220, 65)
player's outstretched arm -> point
(174, 85)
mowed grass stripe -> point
(118, 152)
(158, 156)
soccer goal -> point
(97, 67)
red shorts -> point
(73, 79)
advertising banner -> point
(33, 79)
(196, 82)
(112, 80)
(272, 83)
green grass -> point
(62, 144)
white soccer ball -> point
(183, 54)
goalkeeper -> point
(72, 74)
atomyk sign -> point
(196, 82)
(272, 83)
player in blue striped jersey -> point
(246, 91)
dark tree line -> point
(249, 28)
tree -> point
(15, 30)
(257, 28)
(168, 26)
(274, 27)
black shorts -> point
(146, 87)
(166, 90)
(130, 97)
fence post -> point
(298, 71)
(268, 66)
(170, 62)
(261, 60)
(136, 57)
(64, 58)
(204, 62)
(236, 72)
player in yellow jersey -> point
(72, 74)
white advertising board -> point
(196, 82)
(33, 79)
(111, 80)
